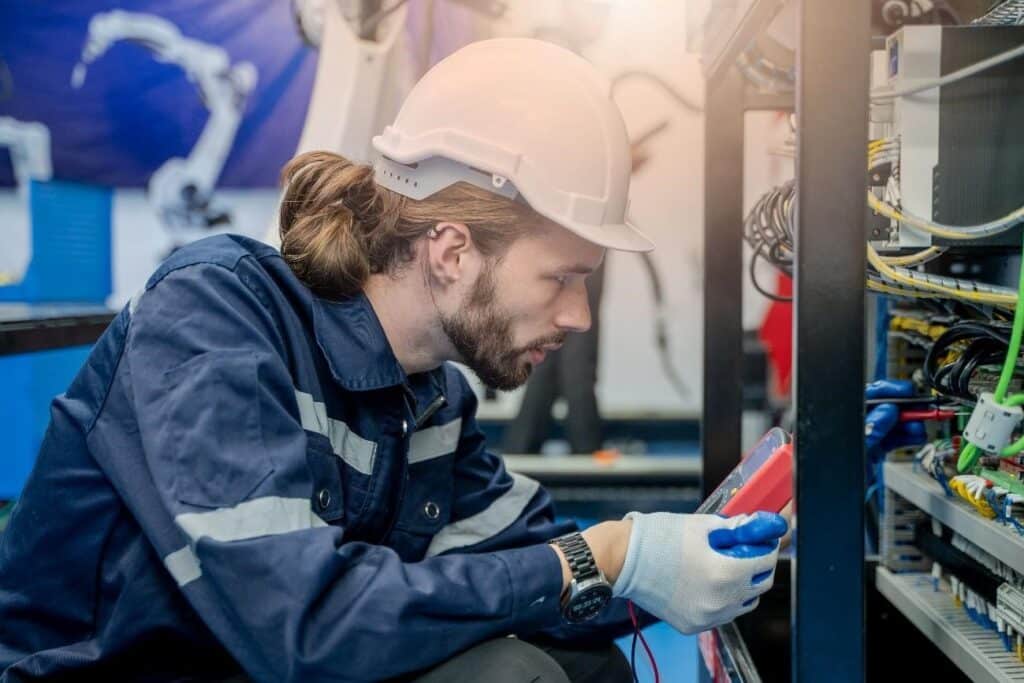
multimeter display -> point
(768, 470)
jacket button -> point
(431, 510)
(405, 427)
(323, 499)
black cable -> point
(768, 231)
(768, 227)
(979, 343)
(654, 78)
(660, 331)
(763, 292)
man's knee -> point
(595, 664)
(502, 660)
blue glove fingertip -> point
(763, 526)
(889, 388)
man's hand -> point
(699, 571)
(882, 429)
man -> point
(268, 469)
(570, 373)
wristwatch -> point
(589, 591)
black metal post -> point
(832, 109)
(723, 273)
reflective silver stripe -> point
(183, 566)
(358, 452)
(133, 303)
(494, 519)
(434, 442)
(260, 517)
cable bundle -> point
(958, 353)
(769, 232)
(1007, 13)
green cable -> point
(1018, 445)
(970, 454)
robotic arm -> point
(29, 145)
(181, 190)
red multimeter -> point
(762, 481)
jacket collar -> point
(350, 336)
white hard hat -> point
(518, 117)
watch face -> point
(588, 602)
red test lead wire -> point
(643, 641)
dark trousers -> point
(510, 660)
(570, 372)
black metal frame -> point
(23, 331)
(723, 283)
(831, 104)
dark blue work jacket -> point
(242, 477)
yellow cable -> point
(895, 214)
(979, 504)
(907, 324)
(915, 258)
(891, 273)
(896, 291)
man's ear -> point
(448, 245)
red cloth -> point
(776, 334)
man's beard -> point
(482, 335)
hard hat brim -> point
(619, 237)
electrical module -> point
(951, 155)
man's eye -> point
(561, 280)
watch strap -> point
(579, 556)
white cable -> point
(959, 74)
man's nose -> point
(575, 316)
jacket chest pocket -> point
(427, 503)
(341, 463)
(208, 420)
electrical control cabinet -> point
(960, 146)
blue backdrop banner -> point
(123, 87)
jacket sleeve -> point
(226, 499)
(498, 510)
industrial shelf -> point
(978, 652)
(924, 492)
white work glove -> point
(699, 571)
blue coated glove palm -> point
(699, 571)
